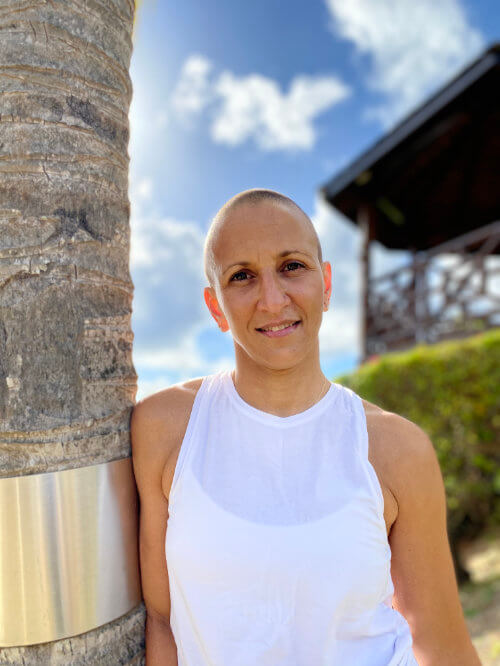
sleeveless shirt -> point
(276, 544)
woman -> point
(285, 521)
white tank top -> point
(276, 545)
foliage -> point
(452, 391)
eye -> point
(235, 277)
(294, 263)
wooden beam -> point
(366, 222)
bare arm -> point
(425, 587)
(160, 643)
(150, 453)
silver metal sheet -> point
(68, 552)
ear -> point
(327, 279)
(215, 311)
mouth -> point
(280, 330)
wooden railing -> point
(450, 291)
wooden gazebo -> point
(431, 186)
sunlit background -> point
(231, 95)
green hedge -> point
(452, 391)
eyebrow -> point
(281, 254)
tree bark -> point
(67, 382)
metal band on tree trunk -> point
(68, 552)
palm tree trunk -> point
(67, 382)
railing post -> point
(420, 268)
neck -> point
(284, 391)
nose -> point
(272, 296)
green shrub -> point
(452, 391)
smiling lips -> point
(279, 330)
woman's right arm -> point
(150, 452)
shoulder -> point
(157, 427)
(401, 452)
(167, 407)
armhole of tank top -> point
(187, 439)
(363, 448)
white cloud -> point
(173, 370)
(144, 189)
(193, 90)
(412, 47)
(167, 270)
(339, 333)
(176, 362)
(175, 365)
(254, 106)
(184, 359)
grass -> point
(481, 596)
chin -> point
(283, 361)
(277, 359)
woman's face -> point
(269, 274)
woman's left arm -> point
(425, 587)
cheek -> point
(236, 307)
(309, 295)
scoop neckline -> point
(274, 419)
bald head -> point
(248, 197)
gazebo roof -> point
(436, 175)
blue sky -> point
(231, 95)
